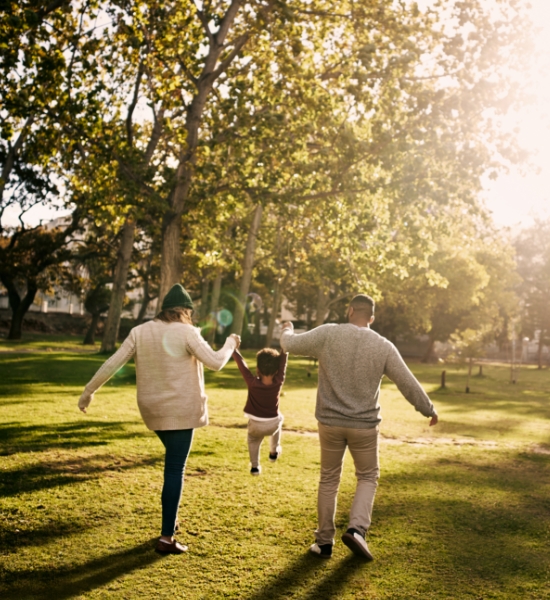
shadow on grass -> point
(16, 437)
(11, 542)
(60, 583)
(20, 374)
(336, 579)
(50, 474)
(295, 577)
(484, 517)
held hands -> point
(433, 421)
(237, 339)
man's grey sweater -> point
(352, 361)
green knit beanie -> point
(177, 297)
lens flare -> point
(172, 342)
(225, 318)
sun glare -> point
(524, 193)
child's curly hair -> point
(267, 361)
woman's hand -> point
(237, 339)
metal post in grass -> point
(470, 365)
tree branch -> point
(204, 22)
(51, 7)
(12, 155)
(227, 21)
(237, 46)
(132, 106)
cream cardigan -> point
(169, 361)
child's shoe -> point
(273, 456)
(255, 470)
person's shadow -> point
(74, 581)
(296, 575)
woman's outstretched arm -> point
(107, 370)
(200, 349)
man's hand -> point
(84, 401)
(237, 338)
(288, 325)
(433, 421)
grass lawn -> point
(39, 342)
(462, 510)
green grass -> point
(40, 342)
(462, 510)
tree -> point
(467, 284)
(379, 126)
(48, 80)
(31, 260)
(533, 256)
(96, 303)
(468, 345)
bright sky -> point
(516, 197)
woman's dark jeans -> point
(177, 443)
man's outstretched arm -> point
(408, 385)
(303, 344)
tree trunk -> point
(540, 348)
(146, 286)
(470, 365)
(19, 307)
(429, 350)
(277, 297)
(119, 285)
(248, 264)
(216, 291)
(277, 292)
(309, 320)
(321, 307)
(214, 305)
(170, 261)
(513, 363)
(143, 309)
(204, 300)
(89, 340)
(170, 265)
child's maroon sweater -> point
(263, 400)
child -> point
(262, 405)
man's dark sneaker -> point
(255, 470)
(356, 543)
(322, 551)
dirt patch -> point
(423, 441)
(538, 449)
(440, 441)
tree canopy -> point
(301, 150)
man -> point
(352, 360)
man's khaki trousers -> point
(363, 446)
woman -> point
(169, 356)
